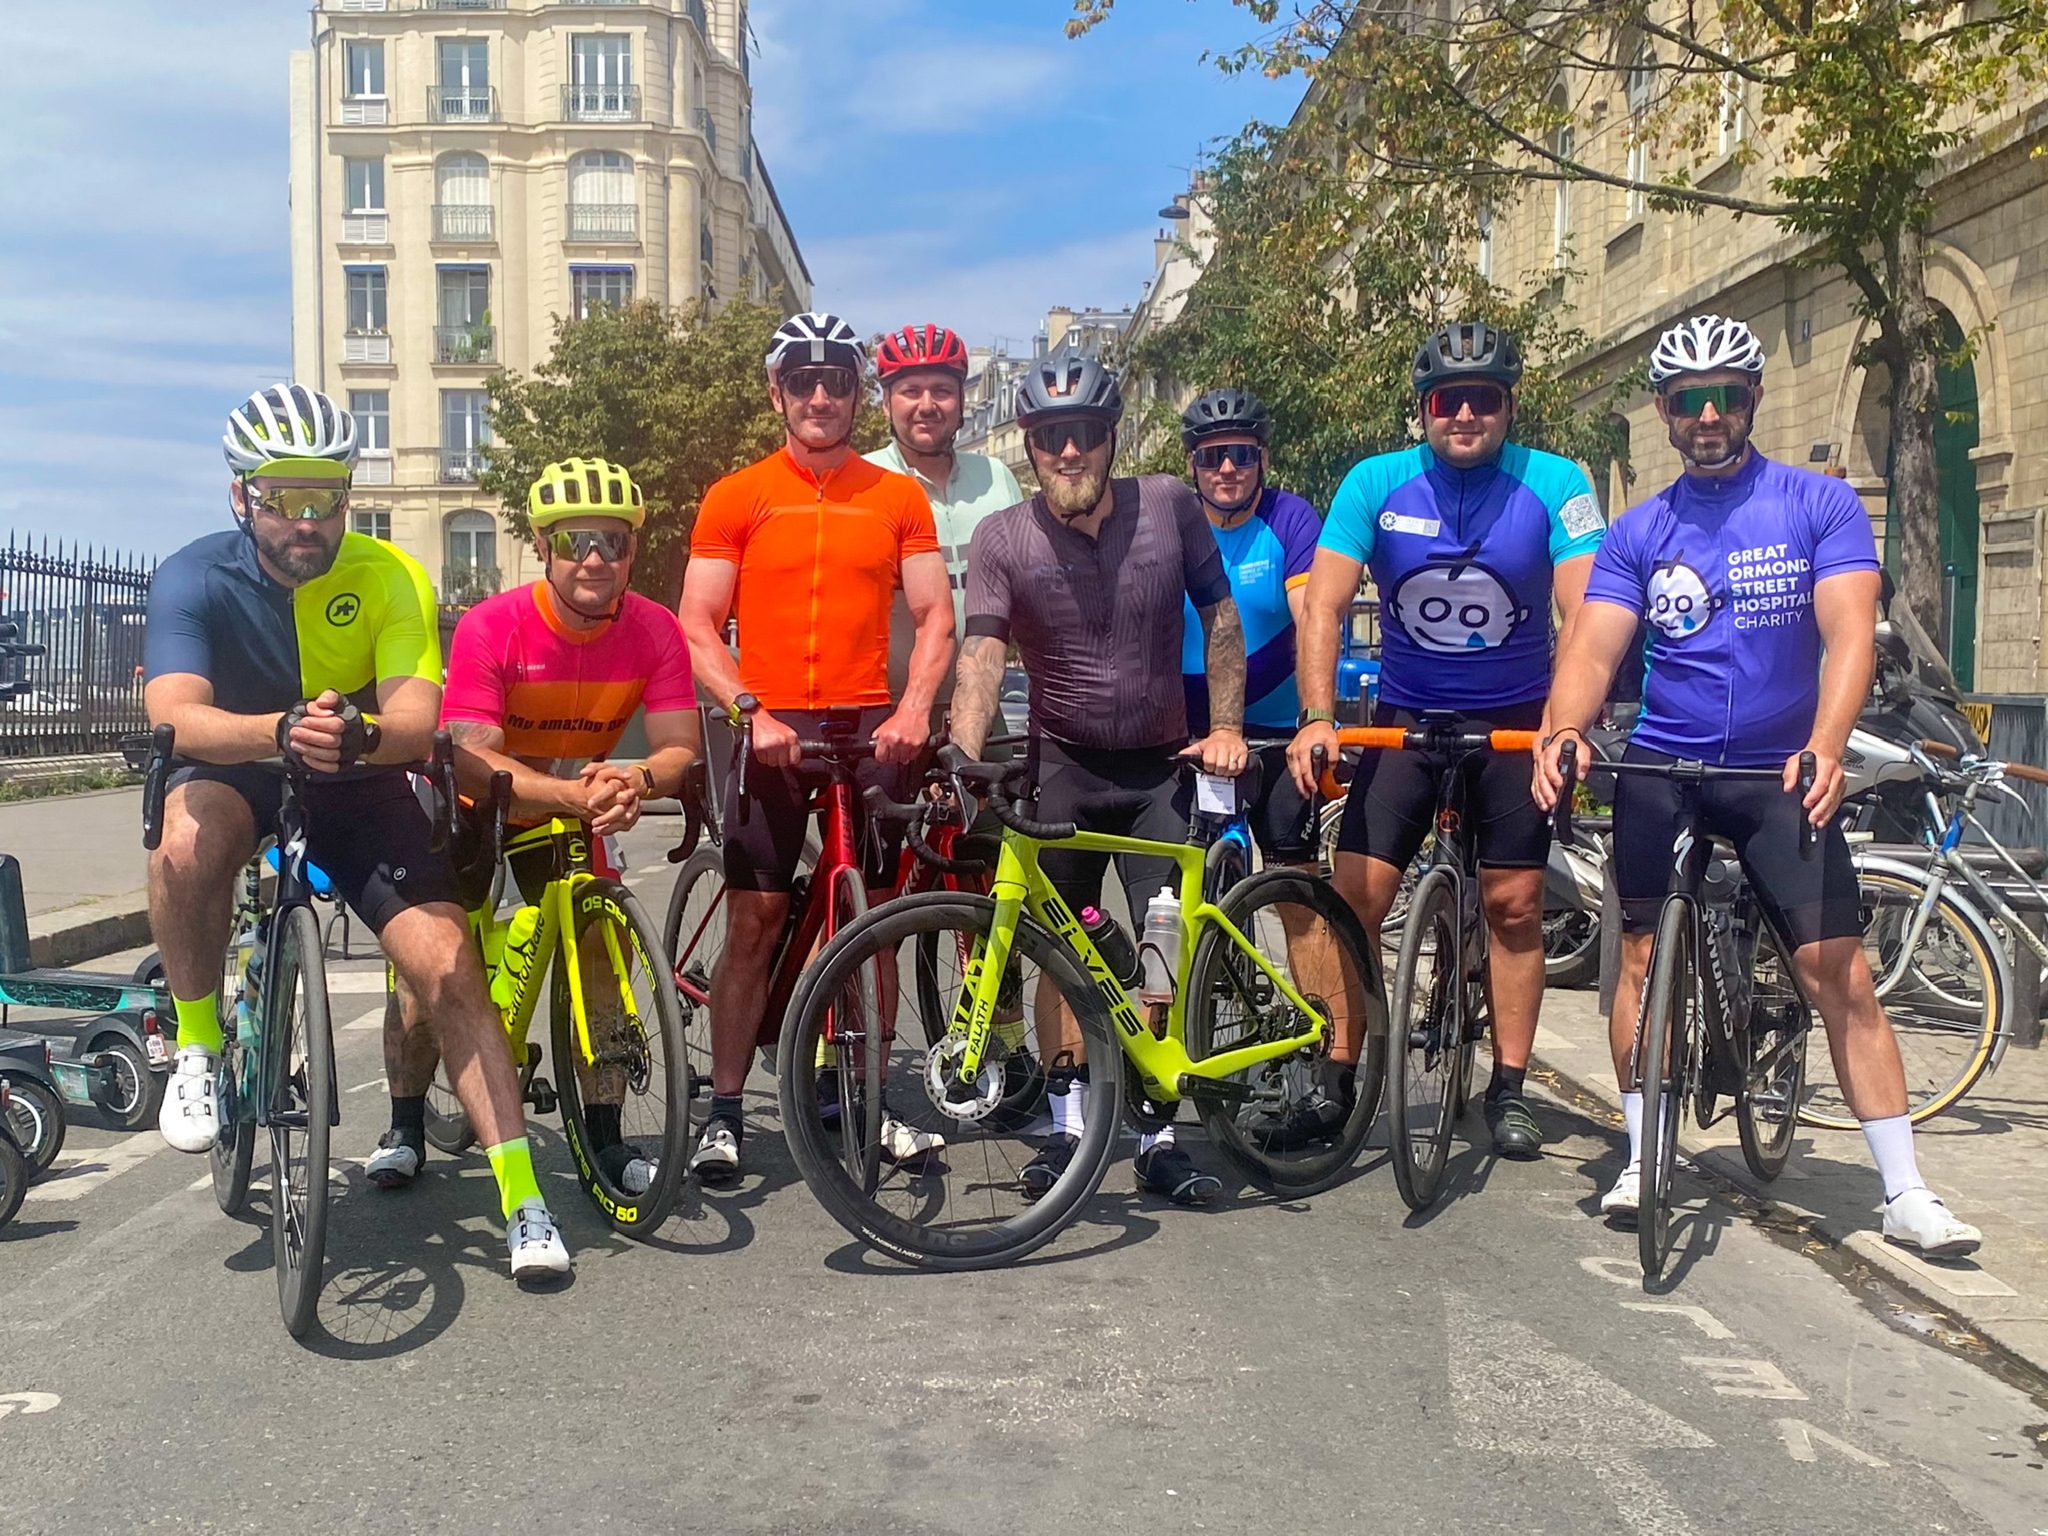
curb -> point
(2025, 1340)
(71, 936)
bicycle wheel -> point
(13, 1179)
(1023, 1098)
(1774, 1076)
(626, 1104)
(1946, 999)
(693, 937)
(1665, 1055)
(1311, 937)
(233, 1152)
(1425, 1039)
(961, 1205)
(301, 1109)
(37, 1118)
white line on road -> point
(1699, 1317)
(77, 1284)
(88, 1172)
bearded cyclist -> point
(1469, 538)
(284, 636)
(807, 549)
(541, 683)
(1759, 582)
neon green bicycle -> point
(1271, 976)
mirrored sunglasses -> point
(1445, 401)
(1216, 455)
(575, 544)
(802, 383)
(1695, 398)
(1085, 433)
(302, 503)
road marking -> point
(28, 1402)
(1799, 1437)
(375, 1082)
(342, 982)
(77, 1284)
(1549, 1041)
(1957, 1282)
(95, 1168)
(1613, 1271)
(1699, 1317)
(1745, 1378)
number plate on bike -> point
(1214, 796)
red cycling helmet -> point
(920, 346)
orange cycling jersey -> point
(820, 559)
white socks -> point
(1069, 1109)
(1147, 1140)
(1632, 1116)
(1891, 1148)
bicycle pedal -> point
(540, 1093)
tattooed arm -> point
(976, 689)
(1223, 750)
(480, 752)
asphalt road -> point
(1257, 1366)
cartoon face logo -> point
(1457, 605)
(1678, 601)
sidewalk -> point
(83, 872)
(1988, 1156)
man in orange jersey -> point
(807, 549)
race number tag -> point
(1397, 522)
(1580, 516)
(1214, 796)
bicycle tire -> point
(1952, 1056)
(1020, 1105)
(233, 1153)
(1425, 1043)
(1665, 1015)
(13, 1179)
(919, 1238)
(38, 1117)
(1767, 1111)
(1212, 978)
(1225, 866)
(693, 937)
(299, 1044)
(624, 1048)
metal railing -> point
(462, 5)
(461, 466)
(85, 609)
(476, 344)
(464, 586)
(463, 221)
(603, 221)
(462, 104)
(601, 103)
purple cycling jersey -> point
(1724, 572)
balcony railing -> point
(461, 466)
(461, 104)
(462, 5)
(366, 347)
(601, 103)
(367, 5)
(472, 344)
(462, 221)
(603, 221)
(365, 112)
(464, 586)
(365, 229)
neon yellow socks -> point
(199, 1021)
(512, 1162)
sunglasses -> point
(1446, 401)
(1052, 438)
(575, 544)
(302, 503)
(1240, 455)
(802, 383)
(1695, 398)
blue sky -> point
(955, 160)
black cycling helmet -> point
(1224, 412)
(1068, 383)
(1470, 349)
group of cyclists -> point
(1157, 620)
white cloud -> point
(952, 88)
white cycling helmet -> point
(816, 340)
(1703, 344)
(289, 429)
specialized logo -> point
(1678, 602)
(342, 609)
(1456, 604)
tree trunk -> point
(1909, 340)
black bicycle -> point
(276, 1071)
(1722, 1011)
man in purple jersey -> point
(1759, 585)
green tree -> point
(678, 396)
(1436, 102)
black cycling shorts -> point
(366, 832)
(1392, 800)
(1278, 816)
(763, 849)
(1134, 792)
(1807, 899)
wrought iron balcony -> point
(461, 466)
(463, 221)
(464, 586)
(601, 103)
(461, 104)
(473, 344)
(603, 221)
(462, 5)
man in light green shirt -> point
(923, 369)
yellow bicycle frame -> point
(1161, 1064)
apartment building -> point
(465, 171)
(990, 424)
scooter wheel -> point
(137, 1089)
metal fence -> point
(2018, 733)
(85, 608)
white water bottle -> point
(1159, 950)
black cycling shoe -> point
(1168, 1171)
(1515, 1132)
(1044, 1170)
(1313, 1120)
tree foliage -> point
(678, 396)
(1850, 109)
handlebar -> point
(697, 818)
(441, 774)
(155, 780)
(2024, 771)
(1561, 813)
(1424, 738)
(913, 818)
(1690, 771)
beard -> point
(1070, 499)
(298, 560)
(1733, 442)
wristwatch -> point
(742, 704)
(1309, 717)
(646, 778)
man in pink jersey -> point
(541, 682)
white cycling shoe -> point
(535, 1243)
(190, 1117)
(1626, 1197)
(903, 1143)
(1916, 1218)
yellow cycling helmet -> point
(584, 488)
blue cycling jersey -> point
(1463, 560)
(1724, 572)
(1265, 557)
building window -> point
(1564, 142)
(1485, 258)
(463, 77)
(601, 79)
(473, 540)
(364, 183)
(463, 331)
(374, 522)
(372, 411)
(1734, 124)
(601, 196)
(599, 285)
(707, 249)
(363, 70)
(465, 433)
(1640, 86)
(367, 313)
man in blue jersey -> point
(1759, 585)
(1469, 538)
